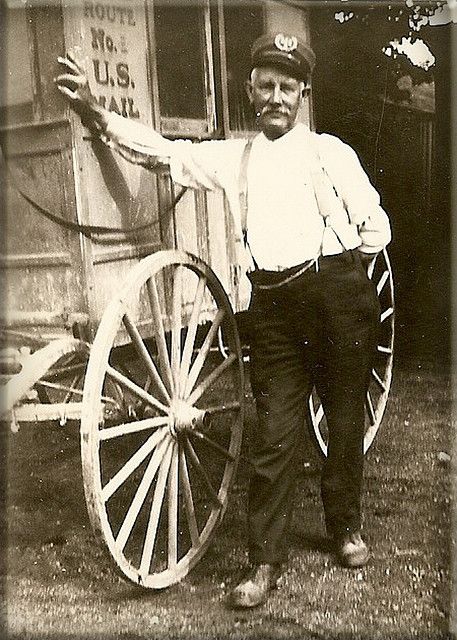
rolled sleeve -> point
(208, 165)
(137, 137)
(375, 231)
(199, 165)
(361, 200)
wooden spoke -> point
(386, 350)
(133, 463)
(386, 314)
(201, 472)
(222, 408)
(62, 387)
(140, 494)
(376, 376)
(58, 372)
(319, 413)
(188, 500)
(164, 360)
(77, 379)
(173, 508)
(382, 281)
(154, 514)
(203, 353)
(208, 381)
(135, 389)
(176, 327)
(72, 391)
(144, 354)
(214, 445)
(371, 267)
(370, 409)
(191, 333)
(122, 368)
(132, 427)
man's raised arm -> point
(135, 141)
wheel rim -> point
(157, 475)
(380, 272)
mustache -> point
(267, 110)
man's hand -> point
(74, 86)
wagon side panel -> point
(42, 269)
(111, 43)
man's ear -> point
(248, 88)
(305, 90)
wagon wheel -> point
(380, 273)
(63, 384)
(63, 381)
(157, 484)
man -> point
(311, 221)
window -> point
(202, 60)
(184, 68)
(16, 97)
(180, 64)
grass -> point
(61, 584)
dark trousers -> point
(320, 329)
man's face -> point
(276, 97)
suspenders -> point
(243, 199)
(243, 196)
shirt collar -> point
(296, 133)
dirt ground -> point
(61, 584)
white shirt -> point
(284, 226)
(308, 194)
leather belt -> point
(263, 279)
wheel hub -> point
(185, 417)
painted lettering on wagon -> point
(110, 13)
(103, 76)
(104, 42)
(123, 106)
(110, 73)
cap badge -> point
(286, 43)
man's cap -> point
(286, 51)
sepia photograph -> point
(227, 391)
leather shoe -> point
(352, 550)
(254, 589)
